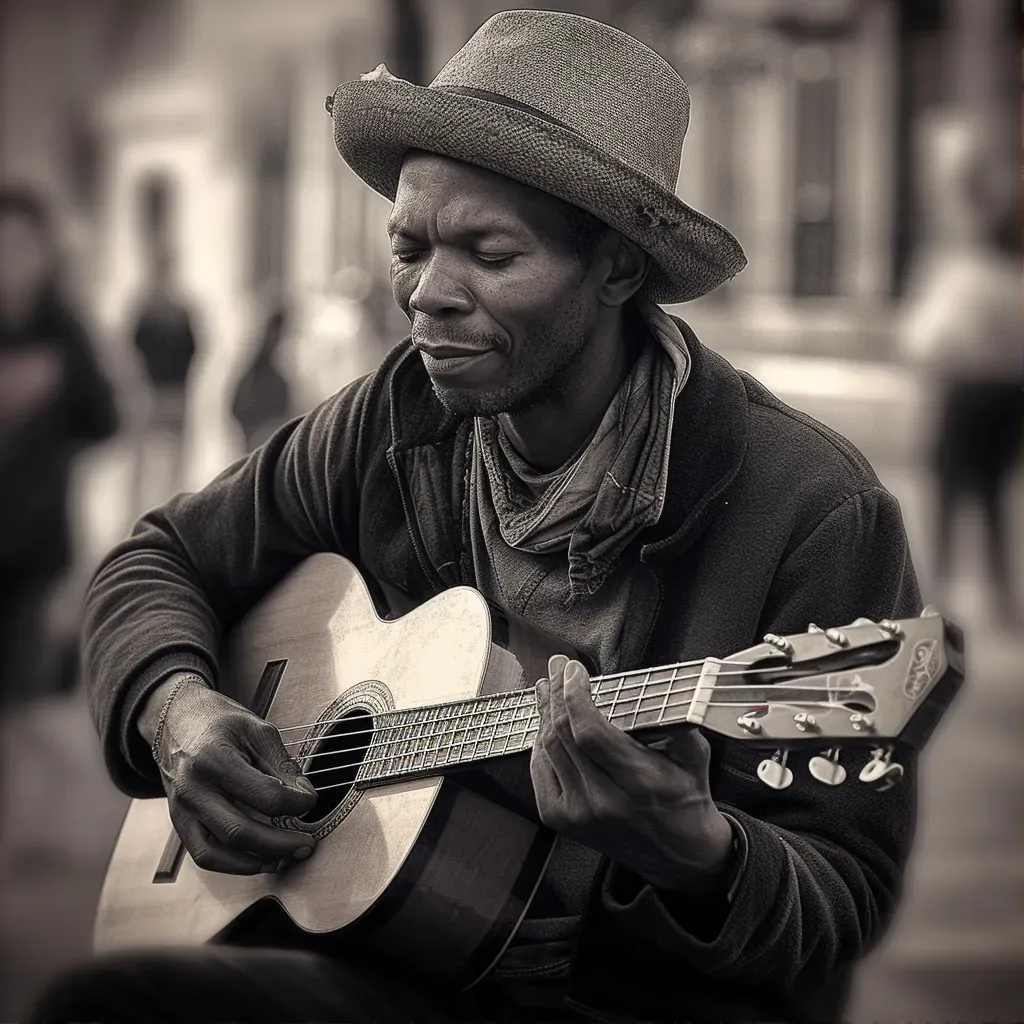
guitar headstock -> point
(865, 684)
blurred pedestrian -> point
(263, 398)
(54, 400)
(165, 339)
(964, 328)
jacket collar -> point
(709, 437)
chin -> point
(495, 401)
(469, 403)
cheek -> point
(403, 284)
(528, 302)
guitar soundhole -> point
(332, 765)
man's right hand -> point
(219, 762)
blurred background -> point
(185, 262)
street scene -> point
(231, 273)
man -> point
(55, 401)
(551, 437)
(165, 340)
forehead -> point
(438, 188)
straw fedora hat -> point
(567, 105)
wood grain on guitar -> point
(381, 716)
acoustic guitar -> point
(383, 717)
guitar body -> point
(422, 872)
(431, 875)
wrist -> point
(707, 865)
(149, 718)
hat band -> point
(505, 101)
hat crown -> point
(599, 82)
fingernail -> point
(542, 692)
(302, 852)
(305, 785)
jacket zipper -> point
(433, 578)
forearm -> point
(163, 599)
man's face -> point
(484, 267)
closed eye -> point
(495, 259)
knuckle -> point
(205, 858)
(609, 810)
(234, 832)
(261, 729)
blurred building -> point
(802, 141)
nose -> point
(438, 290)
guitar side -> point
(424, 872)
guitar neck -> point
(428, 740)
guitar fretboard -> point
(419, 740)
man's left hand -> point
(647, 808)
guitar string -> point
(646, 672)
(524, 701)
(614, 694)
(445, 732)
(399, 772)
(517, 733)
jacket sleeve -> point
(162, 599)
(821, 866)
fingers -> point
(565, 770)
(590, 740)
(241, 833)
(266, 793)
(207, 852)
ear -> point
(629, 265)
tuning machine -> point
(881, 772)
(826, 768)
(772, 771)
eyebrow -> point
(471, 233)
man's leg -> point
(219, 984)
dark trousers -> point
(29, 668)
(977, 447)
(219, 984)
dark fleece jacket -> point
(771, 521)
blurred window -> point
(817, 143)
(268, 215)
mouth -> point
(444, 353)
(446, 361)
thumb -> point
(683, 745)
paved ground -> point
(953, 954)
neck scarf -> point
(598, 502)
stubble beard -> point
(549, 382)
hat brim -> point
(376, 122)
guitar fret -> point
(640, 699)
(668, 696)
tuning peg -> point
(813, 627)
(826, 768)
(773, 771)
(779, 642)
(837, 637)
(890, 626)
(881, 772)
